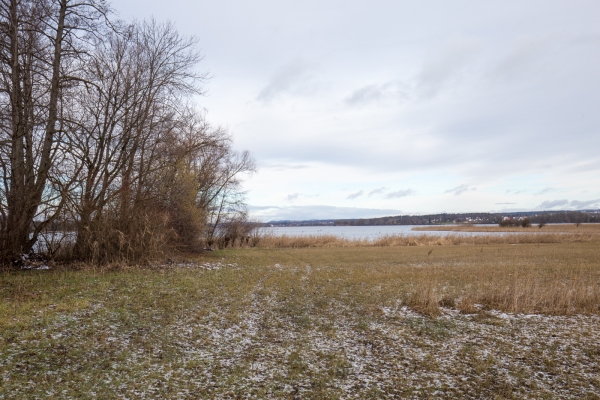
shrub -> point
(505, 222)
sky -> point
(358, 109)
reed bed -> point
(545, 278)
(519, 289)
(285, 241)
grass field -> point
(442, 321)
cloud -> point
(510, 93)
(525, 59)
(510, 210)
(300, 213)
(586, 167)
(459, 189)
(585, 204)
(579, 204)
(545, 190)
(375, 93)
(553, 203)
(399, 194)
(377, 191)
(355, 195)
(283, 167)
(505, 203)
(515, 192)
(447, 65)
(295, 196)
(292, 197)
(287, 78)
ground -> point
(400, 322)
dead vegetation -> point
(558, 279)
(471, 321)
(284, 241)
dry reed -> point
(284, 241)
(472, 290)
(553, 278)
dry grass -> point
(554, 228)
(470, 321)
(284, 241)
(558, 279)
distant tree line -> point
(477, 218)
(428, 219)
(99, 136)
(574, 217)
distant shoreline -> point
(554, 228)
(453, 219)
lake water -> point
(364, 232)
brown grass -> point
(284, 241)
(557, 279)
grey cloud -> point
(260, 208)
(399, 194)
(446, 65)
(585, 204)
(579, 204)
(524, 59)
(545, 190)
(375, 93)
(510, 209)
(590, 166)
(490, 126)
(284, 167)
(553, 203)
(586, 38)
(459, 189)
(295, 196)
(292, 197)
(377, 191)
(461, 137)
(515, 192)
(355, 195)
(284, 80)
(297, 213)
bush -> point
(505, 222)
(525, 222)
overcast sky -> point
(373, 108)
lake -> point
(364, 232)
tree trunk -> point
(27, 183)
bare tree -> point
(42, 49)
(97, 130)
(221, 194)
(134, 125)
